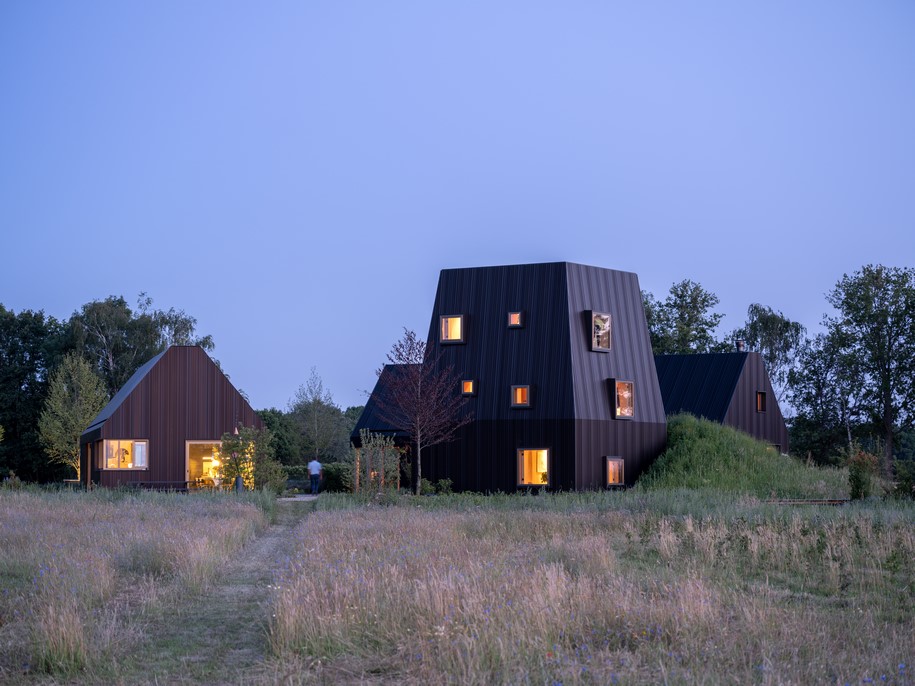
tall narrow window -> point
(615, 475)
(623, 399)
(600, 332)
(521, 396)
(534, 467)
(452, 328)
(760, 401)
(468, 387)
(126, 454)
(515, 320)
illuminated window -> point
(533, 467)
(623, 399)
(515, 320)
(615, 471)
(468, 387)
(521, 396)
(760, 401)
(203, 461)
(126, 454)
(600, 331)
(452, 328)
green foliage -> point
(426, 487)
(776, 338)
(705, 455)
(905, 479)
(443, 486)
(685, 322)
(374, 466)
(249, 453)
(335, 477)
(320, 423)
(286, 438)
(862, 468)
(74, 399)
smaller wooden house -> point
(163, 428)
(730, 388)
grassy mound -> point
(706, 455)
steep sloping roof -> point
(122, 394)
(701, 384)
(372, 416)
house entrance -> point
(203, 463)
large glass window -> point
(121, 454)
(203, 462)
(533, 467)
(615, 475)
(600, 331)
(623, 399)
(521, 396)
(452, 328)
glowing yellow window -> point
(615, 471)
(468, 387)
(623, 399)
(533, 467)
(515, 320)
(521, 396)
(452, 328)
(600, 332)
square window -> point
(615, 476)
(452, 328)
(126, 454)
(468, 387)
(623, 399)
(521, 396)
(600, 332)
(760, 401)
(534, 467)
(515, 320)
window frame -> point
(520, 324)
(473, 387)
(524, 405)
(614, 399)
(519, 471)
(103, 454)
(441, 329)
(187, 457)
(761, 401)
(595, 346)
(608, 459)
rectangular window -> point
(623, 399)
(121, 454)
(468, 387)
(203, 462)
(615, 475)
(515, 320)
(521, 396)
(760, 401)
(452, 328)
(533, 467)
(600, 332)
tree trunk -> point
(419, 467)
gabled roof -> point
(122, 394)
(701, 384)
(371, 417)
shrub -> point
(905, 479)
(443, 486)
(426, 487)
(335, 477)
(862, 467)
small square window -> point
(452, 328)
(615, 476)
(760, 401)
(600, 332)
(521, 396)
(468, 387)
(515, 320)
(534, 467)
(623, 399)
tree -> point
(776, 338)
(248, 452)
(421, 397)
(320, 421)
(685, 322)
(286, 437)
(75, 397)
(875, 327)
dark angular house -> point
(729, 388)
(557, 365)
(163, 428)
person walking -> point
(316, 472)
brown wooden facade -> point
(179, 396)
(532, 326)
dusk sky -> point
(296, 174)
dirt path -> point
(216, 639)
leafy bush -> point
(905, 479)
(443, 486)
(335, 477)
(426, 487)
(862, 467)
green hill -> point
(705, 455)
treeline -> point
(851, 387)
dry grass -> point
(79, 570)
(614, 594)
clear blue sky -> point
(295, 174)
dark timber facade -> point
(162, 428)
(729, 388)
(564, 389)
